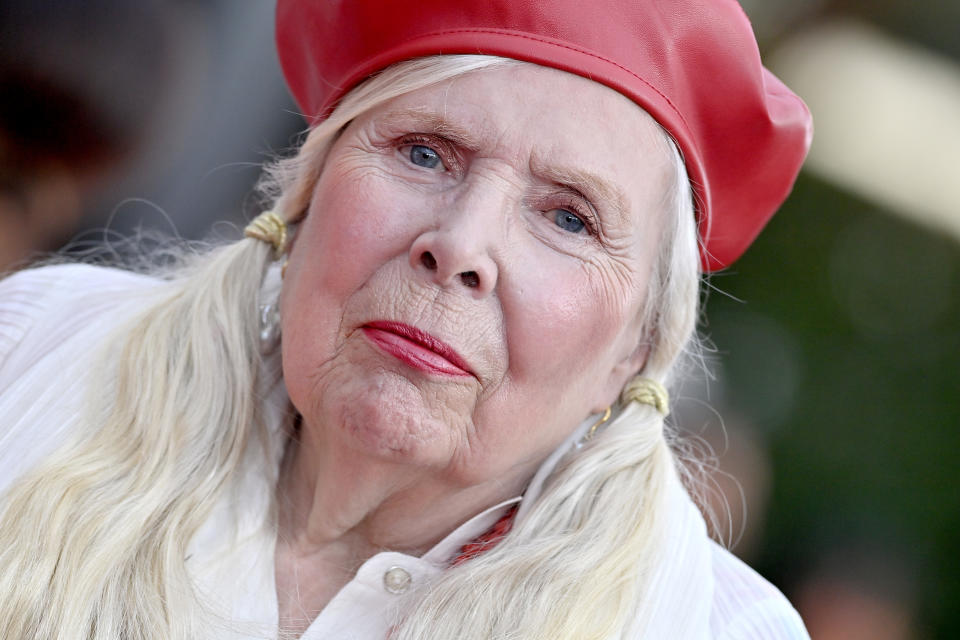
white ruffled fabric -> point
(52, 318)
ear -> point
(292, 227)
(621, 373)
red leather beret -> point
(692, 64)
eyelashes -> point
(444, 151)
(564, 207)
(567, 211)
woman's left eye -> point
(567, 220)
(424, 156)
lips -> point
(416, 348)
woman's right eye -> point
(424, 156)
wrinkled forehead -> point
(557, 125)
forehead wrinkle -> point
(427, 120)
(595, 188)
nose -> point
(457, 252)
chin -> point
(390, 419)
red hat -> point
(691, 64)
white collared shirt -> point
(51, 318)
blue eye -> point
(567, 221)
(424, 157)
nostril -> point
(427, 260)
(470, 279)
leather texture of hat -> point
(693, 65)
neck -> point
(335, 498)
(339, 507)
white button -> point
(396, 580)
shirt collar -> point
(479, 524)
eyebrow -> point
(589, 185)
(429, 121)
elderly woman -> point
(441, 415)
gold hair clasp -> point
(647, 391)
(270, 228)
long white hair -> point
(93, 540)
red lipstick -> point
(416, 348)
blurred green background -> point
(839, 343)
(832, 403)
(838, 334)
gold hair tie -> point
(270, 228)
(647, 391)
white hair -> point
(93, 541)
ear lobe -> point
(292, 227)
(622, 372)
(631, 365)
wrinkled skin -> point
(513, 214)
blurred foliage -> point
(840, 339)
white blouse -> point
(50, 320)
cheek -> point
(560, 341)
(342, 243)
(347, 230)
(564, 322)
(357, 223)
(564, 329)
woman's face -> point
(467, 284)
